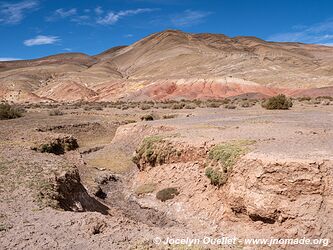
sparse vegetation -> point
(222, 158)
(329, 98)
(58, 146)
(56, 112)
(167, 194)
(169, 116)
(146, 150)
(8, 111)
(213, 104)
(216, 176)
(230, 106)
(304, 98)
(277, 102)
(179, 105)
(189, 106)
(148, 117)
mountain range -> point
(174, 65)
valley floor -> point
(56, 196)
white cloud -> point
(41, 40)
(189, 18)
(13, 13)
(3, 59)
(61, 14)
(321, 33)
(129, 35)
(65, 13)
(113, 17)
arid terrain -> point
(176, 136)
(174, 65)
(119, 175)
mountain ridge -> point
(185, 61)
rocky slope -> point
(173, 64)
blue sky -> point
(36, 28)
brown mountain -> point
(174, 65)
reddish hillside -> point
(174, 65)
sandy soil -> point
(88, 198)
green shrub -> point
(216, 176)
(222, 158)
(167, 194)
(10, 112)
(146, 150)
(277, 102)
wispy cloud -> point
(3, 59)
(98, 10)
(65, 13)
(113, 17)
(41, 40)
(13, 13)
(61, 14)
(321, 33)
(189, 18)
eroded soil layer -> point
(203, 172)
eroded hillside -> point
(167, 64)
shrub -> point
(213, 105)
(330, 98)
(178, 105)
(167, 194)
(10, 112)
(222, 158)
(230, 106)
(56, 112)
(169, 116)
(189, 106)
(58, 146)
(277, 102)
(148, 117)
(304, 98)
(216, 176)
(153, 151)
(146, 150)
